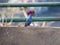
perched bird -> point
(29, 18)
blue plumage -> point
(28, 20)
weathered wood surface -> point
(29, 36)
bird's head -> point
(31, 12)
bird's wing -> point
(28, 20)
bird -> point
(29, 18)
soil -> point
(29, 36)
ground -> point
(29, 36)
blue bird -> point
(28, 20)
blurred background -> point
(39, 12)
